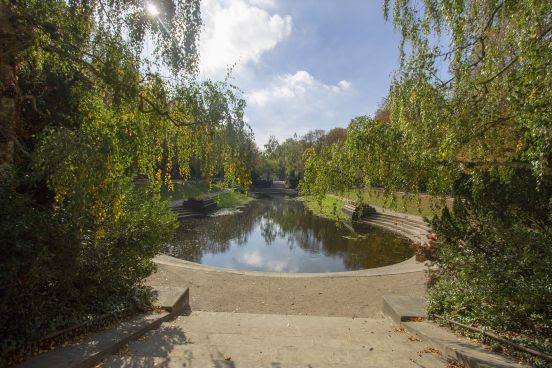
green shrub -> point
(38, 250)
(124, 256)
(495, 256)
(54, 275)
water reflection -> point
(277, 234)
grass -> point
(232, 199)
(415, 204)
(199, 189)
(189, 189)
(329, 208)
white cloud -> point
(296, 103)
(251, 259)
(344, 84)
(256, 260)
(264, 4)
(298, 86)
(239, 32)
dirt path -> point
(328, 296)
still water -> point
(277, 234)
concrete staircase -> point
(242, 340)
(177, 337)
(413, 227)
(409, 226)
(194, 207)
(356, 213)
(183, 213)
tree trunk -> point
(8, 93)
(13, 40)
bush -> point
(53, 275)
(121, 259)
(495, 255)
(38, 250)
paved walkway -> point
(255, 320)
(320, 296)
(245, 319)
(242, 340)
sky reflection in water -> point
(277, 234)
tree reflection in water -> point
(278, 234)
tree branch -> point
(511, 164)
(516, 58)
(506, 67)
(32, 100)
(98, 74)
(483, 129)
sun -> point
(152, 9)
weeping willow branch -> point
(95, 72)
(494, 163)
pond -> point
(278, 234)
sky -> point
(301, 64)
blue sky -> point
(302, 64)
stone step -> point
(357, 212)
(175, 362)
(472, 355)
(188, 215)
(186, 212)
(179, 209)
(412, 233)
(218, 339)
(183, 213)
(403, 220)
(95, 346)
(409, 312)
(398, 225)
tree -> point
(494, 105)
(382, 113)
(284, 161)
(335, 135)
(63, 29)
(486, 123)
(313, 138)
(82, 116)
(469, 115)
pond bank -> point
(232, 199)
(276, 234)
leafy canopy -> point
(469, 116)
(87, 114)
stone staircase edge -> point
(91, 359)
(96, 358)
(410, 318)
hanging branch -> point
(546, 170)
(153, 106)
